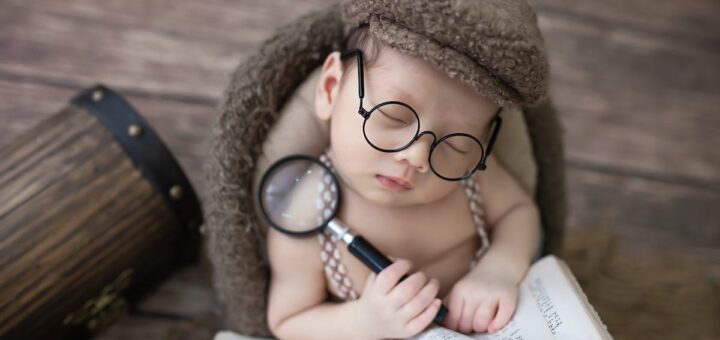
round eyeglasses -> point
(393, 126)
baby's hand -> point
(392, 310)
(483, 300)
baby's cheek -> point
(349, 146)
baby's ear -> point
(328, 86)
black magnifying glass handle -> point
(376, 261)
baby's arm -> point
(296, 308)
(514, 222)
(486, 297)
(296, 303)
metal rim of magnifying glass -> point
(270, 170)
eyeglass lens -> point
(391, 127)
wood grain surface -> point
(637, 85)
(74, 213)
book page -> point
(440, 333)
(527, 323)
(551, 305)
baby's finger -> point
(483, 315)
(505, 311)
(455, 307)
(406, 290)
(420, 301)
(465, 325)
(369, 282)
(421, 321)
(388, 277)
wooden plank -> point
(186, 294)
(182, 48)
(662, 295)
(636, 92)
(687, 22)
(648, 217)
(140, 326)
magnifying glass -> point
(299, 196)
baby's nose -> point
(418, 153)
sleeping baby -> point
(413, 106)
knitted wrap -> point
(250, 105)
(495, 46)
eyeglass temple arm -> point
(361, 79)
(493, 138)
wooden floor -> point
(637, 84)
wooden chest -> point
(94, 209)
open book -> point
(551, 305)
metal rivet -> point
(135, 130)
(97, 95)
(176, 192)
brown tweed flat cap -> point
(495, 46)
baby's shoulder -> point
(495, 177)
(499, 189)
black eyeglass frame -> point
(366, 115)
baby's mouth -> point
(393, 183)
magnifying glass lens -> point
(298, 195)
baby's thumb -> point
(394, 259)
(370, 281)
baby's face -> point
(444, 105)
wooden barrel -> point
(94, 209)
